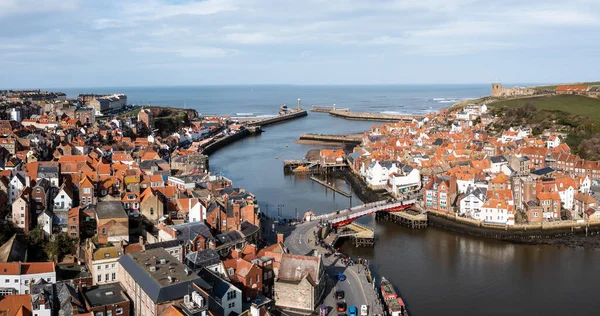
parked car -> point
(341, 277)
(364, 310)
(352, 311)
(341, 306)
(339, 294)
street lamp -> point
(280, 210)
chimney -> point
(280, 238)
(298, 104)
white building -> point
(553, 141)
(17, 183)
(585, 184)
(15, 114)
(16, 277)
(405, 180)
(471, 204)
(197, 211)
(497, 162)
(566, 190)
(64, 199)
(103, 263)
(497, 211)
(377, 174)
(44, 220)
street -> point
(298, 243)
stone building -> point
(499, 92)
(300, 282)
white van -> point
(364, 310)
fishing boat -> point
(392, 302)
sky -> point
(91, 43)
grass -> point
(573, 104)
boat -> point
(393, 303)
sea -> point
(437, 272)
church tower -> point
(496, 89)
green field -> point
(573, 104)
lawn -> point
(573, 104)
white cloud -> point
(189, 51)
(249, 38)
(8, 7)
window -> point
(87, 191)
(98, 314)
(232, 305)
(6, 280)
(112, 265)
(114, 276)
(99, 278)
(106, 266)
(99, 266)
(257, 278)
(119, 311)
(106, 277)
(108, 313)
(152, 211)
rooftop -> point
(110, 209)
(159, 274)
(107, 294)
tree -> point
(36, 236)
(59, 246)
(7, 230)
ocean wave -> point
(448, 101)
(244, 114)
(438, 99)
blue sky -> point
(78, 43)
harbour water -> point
(437, 272)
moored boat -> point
(393, 303)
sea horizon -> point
(316, 85)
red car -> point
(341, 306)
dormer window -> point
(230, 271)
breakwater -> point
(334, 138)
(280, 118)
(375, 116)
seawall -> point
(374, 116)
(280, 118)
(339, 138)
(222, 142)
(533, 234)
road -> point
(298, 243)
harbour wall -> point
(340, 138)
(280, 118)
(374, 116)
(224, 141)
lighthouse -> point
(298, 104)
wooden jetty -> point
(410, 218)
(327, 185)
(360, 235)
